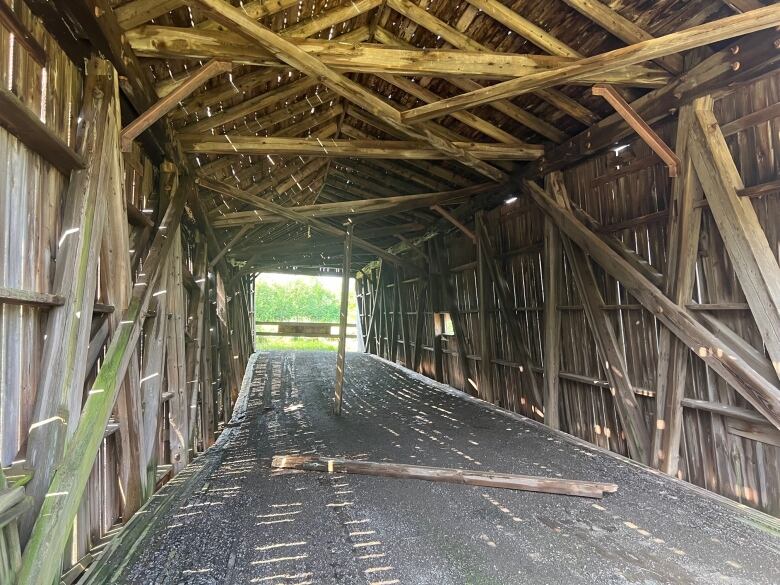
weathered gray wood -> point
(612, 356)
(27, 127)
(151, 384)
(451, 302)
(507, 308)
(744, 238)
(485, 302)
(116, 285)
(194, 344)
(178, 405)
(683, 245)
(15, 296)
(759, 391)
(419, 322)
(552, 324)
(403, 316)
(41, 559)
(343, 314)
(529, 483)
(59, 395)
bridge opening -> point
(301, 312)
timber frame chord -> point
(607, 267)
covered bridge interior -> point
(563, 222)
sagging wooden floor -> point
(228, 519)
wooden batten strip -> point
(27, 127)
(11, 22)
(15, 296)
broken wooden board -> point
(528, 483)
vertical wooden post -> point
(342, 350)
(419, 322)
(404, 317)
(484, 302)
(61, 385)
(552, 324)
(392, 311)
(438, 324)
(155, 334)
(194, 344)
(41, 561)
(683, 244)
(178, 405)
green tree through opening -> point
(300, 298)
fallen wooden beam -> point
(528, 483)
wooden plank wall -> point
(627, 191)
(208, 360)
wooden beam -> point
(670, 44)
(454, 221)
(161, 42)
(507, 308)
(234, 18)
(624, 29)
(526, 29)
(10, 21)
(759, 391)
(451, 303)
(218, 93)
(15, 296)
(403, 317)
(260, 102)
(611, 354)
(484, 306)
(37, 136)
(646, 133)
(684, 225)
(746, 56)
(552, 267)
(41, 562)
(96, 20)
(341, 354)
(569, 487)
(387, 149)
(163, 106)
(460, 40)
(58, 396)
(743, 236)
(506, 107)
(331, 17)
(356, 207)
(316, 224)
(137, 12)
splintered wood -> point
(526, 483)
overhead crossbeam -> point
(711, 32)
(163, 106)
(156, 41)
(234, 18)
(293, 215)
(393, 149)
